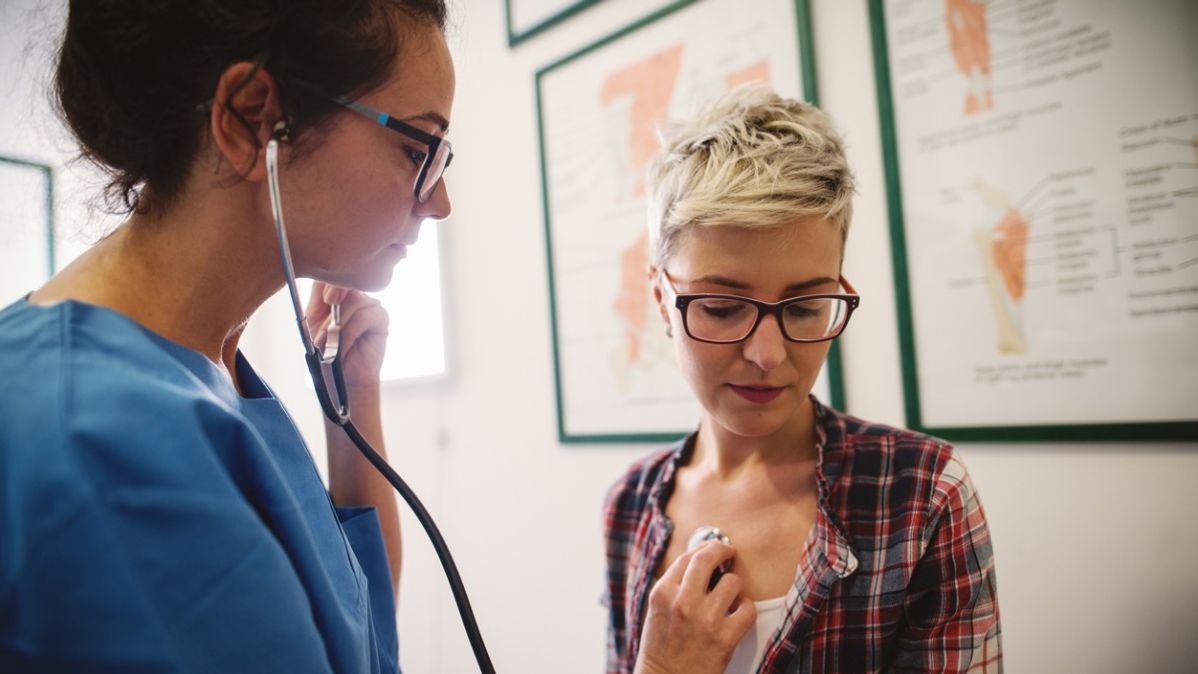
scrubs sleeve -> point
(365, 534)
(134, 552)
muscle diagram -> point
(1002, 246)
(970, 43)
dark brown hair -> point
(134, 76)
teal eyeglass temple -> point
(440, 151)
(436, 160)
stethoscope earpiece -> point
(281, 132)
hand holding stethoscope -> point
(351, 324)
(696, 616)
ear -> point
(244, 113)
(659, 296)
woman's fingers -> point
(317, 311)
(688, 630)
(320, 310)
(362, 340)
(322, 297)
(706, 559)
(673, 574)
(742, 618)
(727, 590)
(370, 318)
(336, 294)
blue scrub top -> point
(154, 520)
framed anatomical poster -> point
(600, 113)
(1042, 170)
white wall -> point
(1094, 543)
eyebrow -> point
(435, 118)
(792, 288)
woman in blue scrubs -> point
(159, 511)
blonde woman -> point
(855, 547)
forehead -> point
(759, 256)
(422, 76)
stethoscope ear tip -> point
(281, 131)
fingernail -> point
(329, 295)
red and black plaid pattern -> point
(897, 575)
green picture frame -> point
(806, 67)
(516, 35)
(1167, 431)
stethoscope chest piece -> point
(708, 533)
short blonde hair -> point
(751, 159)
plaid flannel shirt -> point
(897, 574)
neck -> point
(193, 275)
(727, 455)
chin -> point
(754, 429)
(367, 279)
(758, 424)
(377, 274)
(375, 283)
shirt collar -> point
(829, 438)
(830, 432)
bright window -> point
(416, 338)
(416, 343)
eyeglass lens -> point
(436, 168)
(730, 320)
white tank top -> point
(751, 649)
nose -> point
(437, 207)
(766, 347)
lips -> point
(758, 394)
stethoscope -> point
(325, 369)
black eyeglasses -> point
(436, 160)
(728, 319)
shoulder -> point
(151, 494)
(96, 398)
(83, 364)
(67, 343)
(890, 471)
(881, 448)
(31, 358)
(630, 493)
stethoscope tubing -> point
(346, 424)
